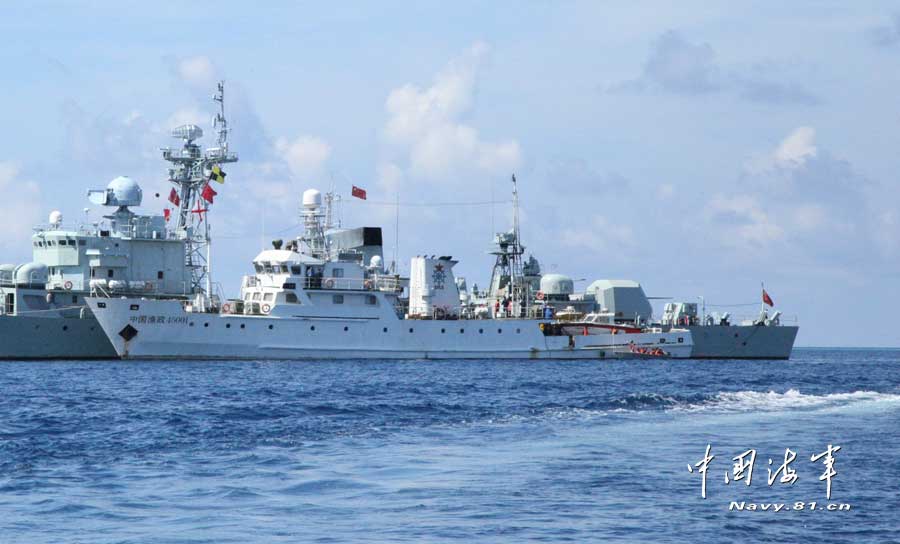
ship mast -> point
(507, 276)
(190, 172)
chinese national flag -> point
(208, 193)
(167, 213)
(767, 299)
(358, 193)
(174, 198)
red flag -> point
(174, 198)
(167, 213)
(767, 299)
(358, 193)
(208, 193)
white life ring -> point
(329, 283)
(226, 308)
(265, 308)
(540, 295)
(68, 285)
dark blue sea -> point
(445, 451)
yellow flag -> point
(217, 174)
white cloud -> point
(665, 191)
(425, 128)
(197, 71)
(305, 156)
(810, 216)
(797, 147)
(793, 152)
(19, 209)
(741, 222)
(678, 66)
(601, 235)
(389, 176)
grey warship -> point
(43, 314)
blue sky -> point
(698, 147)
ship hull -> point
(25, 337)
(163, 330)
(742, 342)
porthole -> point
(385, 329)
(499, 331)
(518, 331)
(312, 328)
(443, 331)
(271, 327)
(65, 327)
(480, 331)
(206, 324)
(462, 331)
(191, 324)
(227, 325)
(242, 325)
(743, 343)
(346, 329)
(410, 329)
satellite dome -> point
(124, 191)
(557, 284)
(375, 262)
(55, 218)
(312, 199)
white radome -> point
(56, 218)
(312, 199)
(125, 192)
(557, 284)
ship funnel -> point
(433, 293)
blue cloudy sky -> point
(699, 147)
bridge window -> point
(268, 297)
(337, 299)
(296, 270)
(337, 273)
(109, 273)
(159, 274)
(290, 298)
(371, 300)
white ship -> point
(328, 295)
(43, 314)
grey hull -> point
(23, 337)
(742, 342)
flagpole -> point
(397, 233)
(762, 303)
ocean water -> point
(441, 451)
